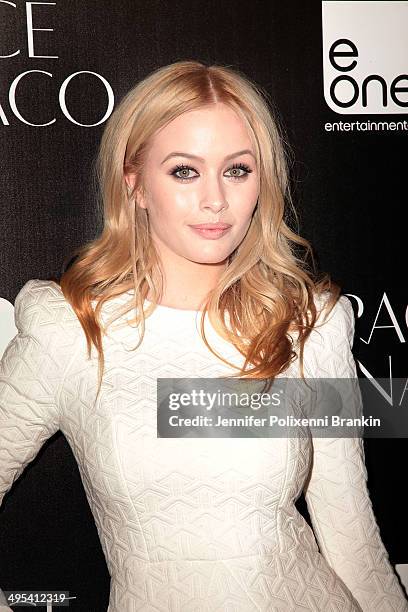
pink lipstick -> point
(211, 230)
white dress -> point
(194, 524)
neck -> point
(187, 283)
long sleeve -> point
(29, 381)
(336, 493)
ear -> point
(130, 180)
(139, 195)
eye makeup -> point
(185, 167)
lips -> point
(211, 231)
(212, 226)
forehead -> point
(204, 130)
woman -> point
(197, 247)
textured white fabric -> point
(196, 524)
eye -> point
(181, 172)
(181, 168)
(242, 167)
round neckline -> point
(173, 308)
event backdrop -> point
(337, 73)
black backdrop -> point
(349, 188)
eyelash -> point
(189, 178)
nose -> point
(214, 199)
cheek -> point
(168, 208)
(243, 196)
(244, 207)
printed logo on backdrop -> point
(390, 325)
(365, 56)
(33, 21)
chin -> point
(210, 259)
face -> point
(200, 169)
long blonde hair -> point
(268, 286)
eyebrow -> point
(190, 156)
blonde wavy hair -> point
(268, 287)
